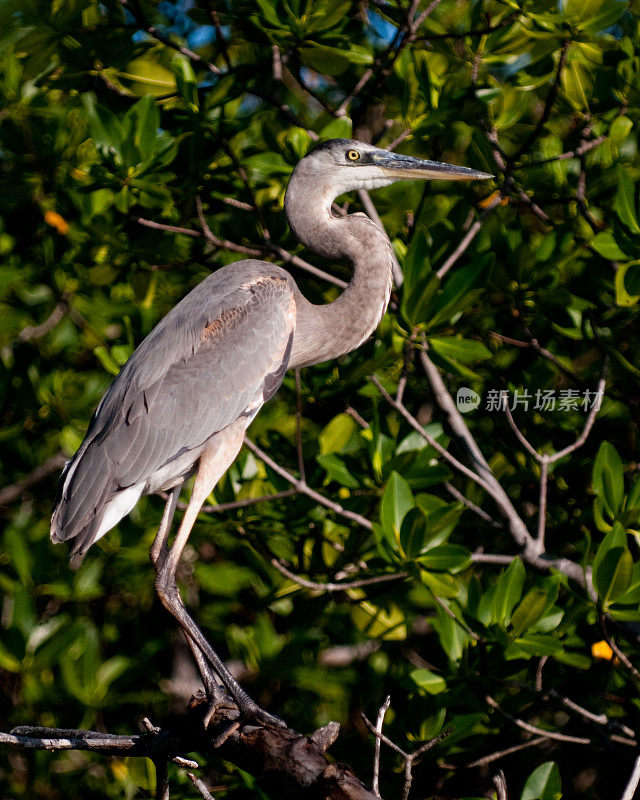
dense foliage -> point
(143, 145)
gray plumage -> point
(183, 401)
(168, 400)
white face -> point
(348, 167)
(343, 165)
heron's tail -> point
(89, 502)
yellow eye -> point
(353, 155)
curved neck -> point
(327, 331)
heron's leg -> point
(159, 546)
(213, 464)
(158, 554)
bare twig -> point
(622, 656)
(32, 332)
(542, 351)
(551, 98)
(336, 586)
(362, 422)
(161, 226)
(341, 111)
(482, 470)
(277, 63)
(546, 459)
(375, 784)
(634, 780)
(408, 758)
(242, 503)
(500, 782)
(240, 248)
(579, 151)
(525, 726)
(498, 559)
(382, 737)
(10, 493)
(471, 506)
(135, 9)
(468, 237)
(304, 488)
(401, 409)
(301, 469)
(200, 787)
(489, 759)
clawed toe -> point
(251, 712)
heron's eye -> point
(353, 155)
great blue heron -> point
(182, 402)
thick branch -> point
(282, 759)
(516, 526)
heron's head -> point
(346, 164)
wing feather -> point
(217, 355)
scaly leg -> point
(213, 464)
(159, 552)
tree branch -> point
(304, 488)
(281, 758)
(10, 493)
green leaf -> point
(110, 670)
(446, 558)
(416, 303)
(608, 478)
(627, 284)
(269, 11)
(614, 574)
(605, 244)
(620, 128)
(186, 83)
(413, 533)
(106, 130)
(536, 644)
(337, 470)
(624, 204)
(338, 434)
(616, 537)
(428, 681)
(268, 164)
(107, 361)
(529, 611)
(397, 501)
(543, 783)
(332, 60)
(144, 120)
(465, 350)
(577, 84)
(508, 592)
(339, 128)
(453, 638)
(459, 291)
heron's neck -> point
(326, 331)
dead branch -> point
(282, 759)
(9, 494)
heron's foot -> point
(251, 712)
(217, 698)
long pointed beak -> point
(398, 166)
